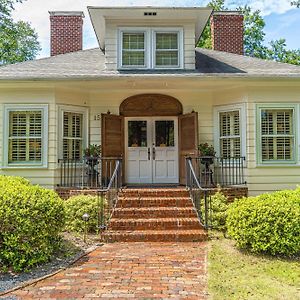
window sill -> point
(21, 167)
(278, 165)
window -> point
(73, 132)
(230, 139)
(167, 50)
(276, 135)
(230, 136)
(133, 49)
(26, 135)
(72, 135)
(150, 48)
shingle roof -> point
(90, 64)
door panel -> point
(165, 162)
(188, 140)
(152, 150)
(138, 169)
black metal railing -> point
(103, 175)
(109, 196)
(218, 171)
(200, 196)
(204, 174)
(90, 172)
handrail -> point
(110, 194)
(198, 194)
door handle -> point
(148, 153)
(153, 153)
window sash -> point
(164, 56)
(229, 133)
(25, 136)
(277, 138)
(72, 135)
(135, 54)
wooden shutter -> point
(188, 140)
(112, 135)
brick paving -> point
(130, 270)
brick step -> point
(154, 202)
(155, 236)
(155, 224)
(154, 212)
(154, 193)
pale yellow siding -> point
(111, 40)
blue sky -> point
(282, 20)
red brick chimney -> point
(227, 32)
(66, 31)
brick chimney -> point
(227, 32)
(66, 31)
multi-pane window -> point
(72, 135)
(25, 136)
(133, 49)
(277, 134)
(150, 48)
(230, 134)
(167, 49)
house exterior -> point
(148, 95)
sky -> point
(282, 20)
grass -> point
(234, 274)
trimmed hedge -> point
(31, 219)
(76, 207)
(269, 223)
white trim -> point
(45, 121)
(243, 125)
(74, 109)
(150, 34)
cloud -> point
(36, 12)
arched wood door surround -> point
(150, 105)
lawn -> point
(234, 274)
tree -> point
(18, 41)
(254, 36)
(296, 3)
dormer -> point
(149, 38)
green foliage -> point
(31, 219)
(254, 36)
(18, 41)
(219, 206)
(206, 150)
(77, 206)
(296, 3)
(268, 223)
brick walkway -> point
(130, 270)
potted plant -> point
(92, 152)
(207, 153)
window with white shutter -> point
(277, 136)
(26, 133)
(72, 135)
(230, 138)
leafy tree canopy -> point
(254, 36)
(18, 41)
(296, 3)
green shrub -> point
(76, 207)
(268, 223)
(219, 206)
(31, 219)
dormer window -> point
(150, 48)
(133, 50)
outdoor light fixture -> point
(85, 218)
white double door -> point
(151, 149)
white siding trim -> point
(243, 123)
(73, 109)
(45, 127)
